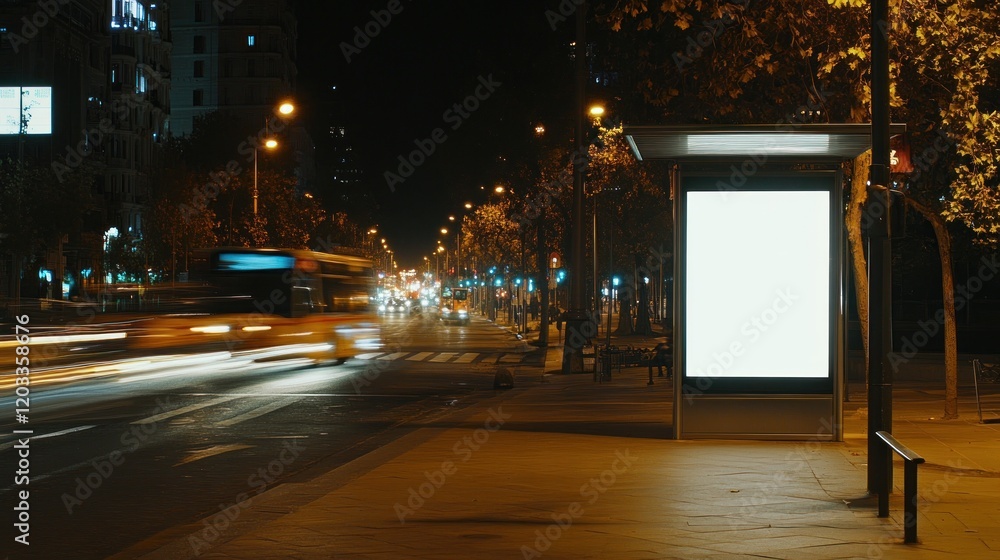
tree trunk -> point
(542, 280)
(642, 325)
(625, 310)
(948, 297)
(855, 211)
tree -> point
(41, 209)
(774, 54)
(640, 211)
(945, 55)
(491, 234)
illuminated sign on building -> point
(31, 106)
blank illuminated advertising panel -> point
(758, 284)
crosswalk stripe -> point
(444, 356)
(511, 358)
(259, 411)
(183, 410)
(466, 358)
(393, 356)
(368, 356)
(420, 356)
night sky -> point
(403, 84)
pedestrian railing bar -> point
(910, 462)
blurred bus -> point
(308, 302)
(454, 304)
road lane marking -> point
(368, 356)
(393, 356)
(211, 451)
(420, 356)
(444, 357)
(10, 444)
(183, 410)
(259, 411)
(466, 358)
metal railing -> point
(910, 462)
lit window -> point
(251, 40)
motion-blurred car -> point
(394, 305)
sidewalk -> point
(562, 467)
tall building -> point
(139, 106)
(340, 178)
(237, 57)
(58, 52)
(65, 50)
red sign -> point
(899, 155)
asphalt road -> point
(118, 459)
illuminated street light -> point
(596, 111)
(286, 109)
(499, 189)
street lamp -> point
(286, 109)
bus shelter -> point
(759, 275)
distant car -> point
(394, 305)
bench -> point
(660, 357)
(910, 462)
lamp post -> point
(579, 326)
(285, 109)
(437, 254)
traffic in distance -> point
(307, 303)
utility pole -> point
(879, 259)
